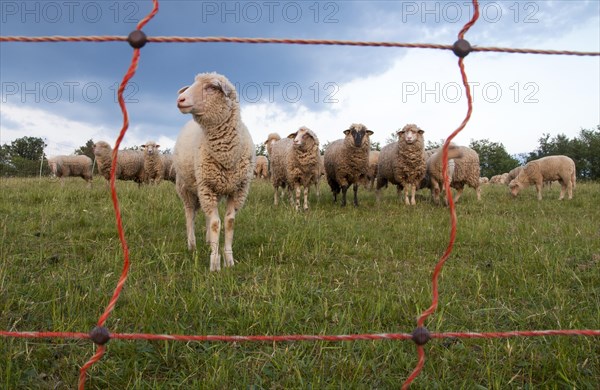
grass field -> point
(518, 264)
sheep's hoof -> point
(229, 259)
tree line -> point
(24, 156)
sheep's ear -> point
(347, 131)
(143, 146)
(182, 89)
(224, 87)
(158, 146)
(421, 131)
(293, 135)
(369, 132)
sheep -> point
(65, 166)
(513, 173)
(278, 149)
(214, 159)
(169, 167)
(347, 161)
(483, 180)
(130, 163)
(320, 172)
(261, 170)
(403, 163)
(434, 174)
(372, 171)
(466, 172)
(154, 170)
(499, 179)
(549, 168)
(302, 164)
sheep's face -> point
(410, 134)
(304, 139)
(101, 147)
(514, 187)
(211, 99)
(359, 135)
(272, 139)
(150, 148)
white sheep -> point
(403, 163)
(372, 171)
(214, 159)
(466, 172)
(75, 166)
(261, 169)
(154, 169)
(434, 177)
(169, 167)
(512, 174)
(347, 161)
(130, 163)
(302, 164)
(278, 149)
(549, 168)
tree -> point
(28, 148)
(493, 157)
(86, 150)
(260, 149)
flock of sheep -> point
(214, 159)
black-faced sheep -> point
(347, 161)
(402, 163)
(549, 168)
(75, 166)
(154, 169)
(302, 160)
(130, 163)
(214, 159)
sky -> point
(65, 93)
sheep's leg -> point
(190, 206)
(538, 187)
(563, 187)
(298, 190)
(478, 191)
(306, 188)
(570, 186)
(355, 187)
(229, 224)
(276, 196)
(344, 190)
(413, 189)
(214, 227)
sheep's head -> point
(273, 137)
(410, 133)
(304, 139)
(101, 146)
(514, 187)
(211, 99)
(150, 148)
(359, 135)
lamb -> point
(261, 170)
(319, 173)
(302, 164)
(130, 163)
(154, 169)
(403, 163)
(214, 159)
(65, 166)
(278, 149)
(549, 168)
(466, 172)
(347, 161)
